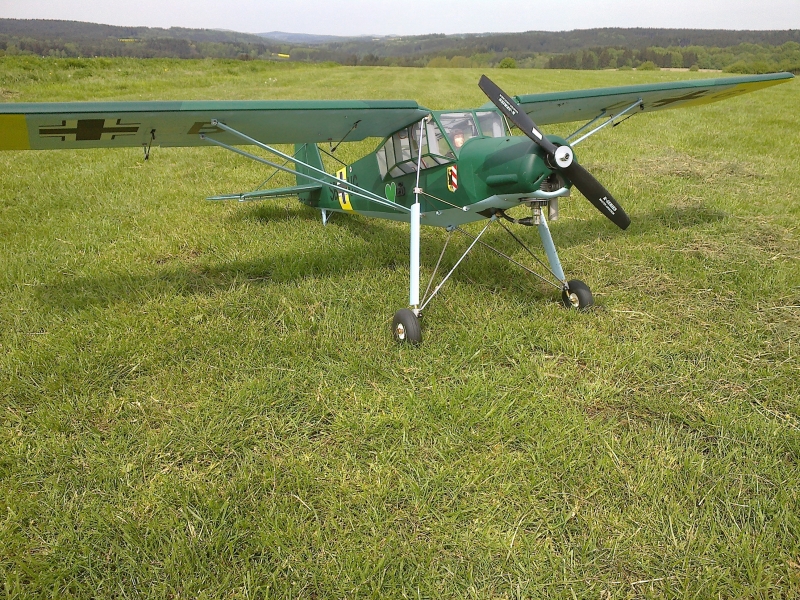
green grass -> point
(204, 400)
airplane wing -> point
(583, 105)
(49, 126)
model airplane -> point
(438, 168)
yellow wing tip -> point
(14, 133)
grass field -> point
(203, 400)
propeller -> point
(559, 157)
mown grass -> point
(204, 400)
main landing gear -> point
(406, 328)
(575, 294)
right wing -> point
(583, 105)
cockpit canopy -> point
(398, 154)
(462, 126)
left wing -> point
(49, 126)
(583, 105)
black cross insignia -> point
(204, 127)
(691, 96)
(88, 130)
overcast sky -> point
(408, 17)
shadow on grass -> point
(676, 217)
(190, 276)
(277, 212)
(570, 233)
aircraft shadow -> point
(676, 217)
(189, 277)
(270, 212)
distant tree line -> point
(609, 48)
(72, 39)
(135, 48)
(47, 29)
(743, 58)
(581, 49)
(548, 42)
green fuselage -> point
(483, 174)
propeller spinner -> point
(559, 157)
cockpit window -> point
(459, 126)
(402, 145)
(491, 124)
(434, 144)
(399, 154)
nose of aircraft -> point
(509, 165)
(586, 183)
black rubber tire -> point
(579, 296)
(405, 327)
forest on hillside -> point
(733, 51)
(74, 39)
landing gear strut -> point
(574, 293)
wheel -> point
(577, 296)
(405, 327)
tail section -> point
(310, 155)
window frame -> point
(386, 153)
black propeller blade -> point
(561, 157)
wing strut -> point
(611, 120)
(330, 181)
(415, 222)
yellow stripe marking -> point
(344, 197)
